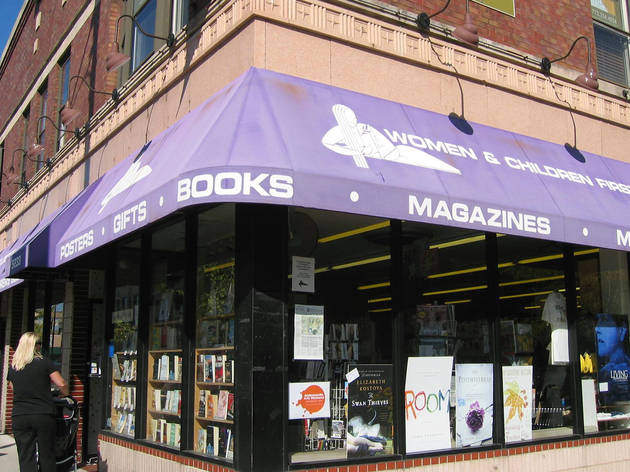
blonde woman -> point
(33, 408)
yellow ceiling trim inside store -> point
(371, 286)
(378, 300)
(353, 232)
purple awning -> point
(276, 139)
(32, 249)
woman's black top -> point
(31, 388)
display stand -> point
(214, 402)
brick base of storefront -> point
(610, 453)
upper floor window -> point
(63, 98)
(610, 25)
(41, 131)
(142, 46)
(26, 116)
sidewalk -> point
(8, 455)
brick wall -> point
(22, 67)
(540, 28)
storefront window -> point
(448, 398)
(340, 337)
(56, 323)
(166, 315)
(534, 340)
(125, 340)
(602, 334)
(214, 353)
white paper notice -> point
(589, 406)
(303, 274)
(603, 386)
(427, 398)
(308, 339)
(352, 375)
(560, 346)
(517, 406)
(309, 400)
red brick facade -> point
(22, 67)
(541, 28)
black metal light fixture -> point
(466, 32)
(115, 59)
(588, 79)
(76, 132)
(69, 114)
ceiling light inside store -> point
(531, 281)
(379, 310)
(454, 302)
(379, 300)
(219, 267)
(353, 232)
(371, 260)
(455, 290)
(533, 307)
(371, 286)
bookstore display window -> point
(447, 338)
(602, 338)
(166, 315)
(56, 323)
(340, 323)
(125, 338)
(534, 339)
(214, 317)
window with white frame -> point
(611, 28)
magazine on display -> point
(517, 402)
(427, 403)
(474, 404)
(370, 411)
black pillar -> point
(261, 318)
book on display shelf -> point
(230, 407)
(201, 411)
(222, 405)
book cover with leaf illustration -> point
(517, 398)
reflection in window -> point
(164, 392)
(602, 333)
(447, 336)
(125, 331)
(344, 325)
(214, 353)
(533, 341)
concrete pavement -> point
(8, 454)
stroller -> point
(67, 426)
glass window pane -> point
(446, 314)
(143, 44)
(534, 339)
(343, 325)
(125, 331)
(602, 333)
(612, 55)
(165, 335)
(214, 354)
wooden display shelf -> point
(162, 351)
(171, 382)
(213, 420)
(223, 316)
(215, 349)
(201, 383)
(163, 413)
